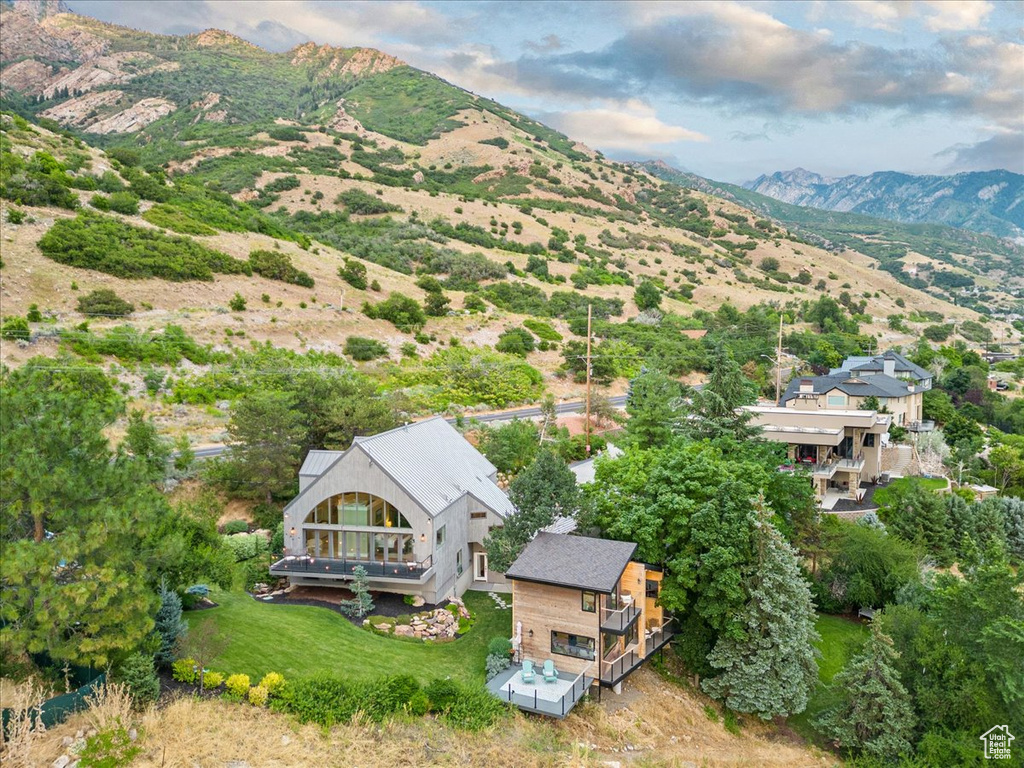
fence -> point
(56, 710)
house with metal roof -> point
(412, 506)
(585, 606)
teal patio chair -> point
(550, 673)
(528, 674)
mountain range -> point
(983, 201)
(313, 186)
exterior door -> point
(480, 566)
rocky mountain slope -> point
(233, 195)
(984, 201)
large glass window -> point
(578, 646)
(357, 510)
(589, 602)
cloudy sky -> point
(727, 89)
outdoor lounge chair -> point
(550, 673)
(528, 674)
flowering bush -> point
(184, 671)
(274, 683)
(258, 696)
(238, 685)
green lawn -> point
(881, 496)
(298, 640)
(841, 638)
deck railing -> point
(554, 707)
(324, 566)
(619, 620)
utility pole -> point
(588, 380)
(778, 365)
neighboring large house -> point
(585, 605)
(840, 449)
(898, 385)
(411, 505)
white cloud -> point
(955, 15)
(634, 127)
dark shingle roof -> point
(578, 562)
(877, 384)
(877, 363)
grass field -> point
(298, 640)
(841, 638)
(881, 496)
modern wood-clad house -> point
(587, 606)
(412, 506)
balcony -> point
(926, 425)
(614, 671)
(851, 465)
(825, 469)
(322, 567)
(618, 621)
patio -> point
(554, 699)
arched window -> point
(357, 510)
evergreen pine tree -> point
(715, 409)
(362, 604)
(170, 625)
(771, 671)
(875, 714)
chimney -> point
(807, 386)
(889, 366)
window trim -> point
(441, 536)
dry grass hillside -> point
(653, 724)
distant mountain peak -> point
(983, 201)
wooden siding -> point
(654, 614)
(544, 608)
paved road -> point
(573, 406)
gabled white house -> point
(411, 505)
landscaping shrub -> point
(387, 695)
(495, 665)
(499, 646)
(258, 696)
(474, 709)
(237, 685)
(104, 302)
(321, 699)
(184, 671)
(274, 683)
(275, 265)
(94, 241)
(212, 680)
(137, 672)
(256, 571)
(245, 546)
(419, 704)
(363, 349)
(443, 693)
(236, 526)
